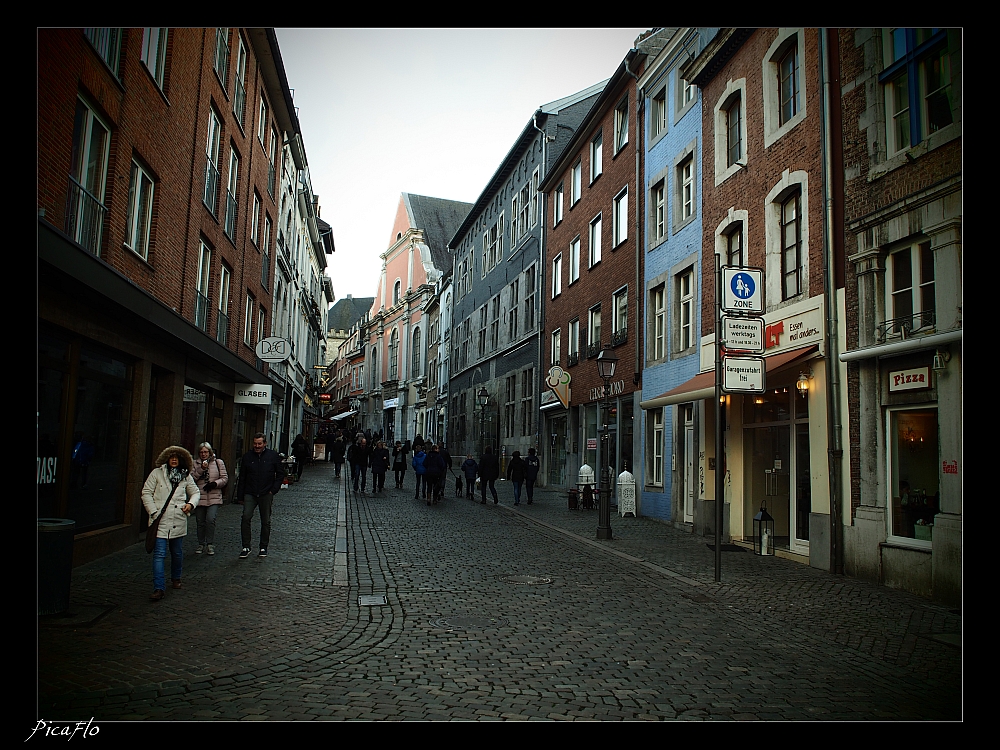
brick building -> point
(902, 114)
(157, 153)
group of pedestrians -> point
(521, 472)
(180, 485)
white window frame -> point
(657, 115)
(654, 447)
(557, 276)
(154, 52)
(685, 188)
(735, 92)
(573, 340)
(574, 259)
(202, 284)
(255, 219)
(658, 213)
(262, 121)
(621, 124)
(557, 206)
(789, 182)
(90, 172)
(140, 211)
(232, 189)
(261, 318)
(555, 350)
(774, 126)
(239, 95)
(685, 96)
(596, 156)
(620, 304)
(594, 327)
(685, 291)
(658, 316)
(918, 290)
(576, 186)
(596, 230)
(620, 218)
(221, 63)
(248, 320)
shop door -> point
(767, 481)
(557, 452)
(688, 477)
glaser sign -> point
(250, 393)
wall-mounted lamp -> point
(802, 384)
(941, 359)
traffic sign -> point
(742, 290)
(743, 334)
(743, 374)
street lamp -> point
(606, 363)
(483, 397)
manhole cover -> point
(371, 600)
(531, 580)
(470, 622)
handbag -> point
(155, 525)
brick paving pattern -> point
(632, 628)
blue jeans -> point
(517, 492)
(359, 472)
(176, 561)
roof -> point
(347, 311)
(438, 218)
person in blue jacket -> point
(469, 468)
(418, 469)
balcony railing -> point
(905, 326)
(222, 331)
(211, 186)
(231, 206)
(573, 359)
(201, 311)
(84, 217)
(593, 350)
(619, 337)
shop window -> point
(913, 473)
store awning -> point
(702, 385)
(345, 414)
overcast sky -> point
(424, 111)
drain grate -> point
(371, 600)
(530, 580)
(470, 622)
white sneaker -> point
(201, 548)
(211, 549)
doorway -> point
(688, 475)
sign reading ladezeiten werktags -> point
(908, 380)
(252, 393)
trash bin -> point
(55, 564)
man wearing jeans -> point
(261, 475)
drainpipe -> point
(640, 98)
(540, 276)
(835, 451)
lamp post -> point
(483, 397)
(606, 363)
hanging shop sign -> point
(252, 393)
(390, 403)
(742, 290)
(743, 374)
(909, 380)
(558, 382)
(743, 334)
(273, 349)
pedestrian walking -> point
(515, 473)
(211, 476)
(489, 472)
(300, 450)
(380, 465)
(357, 457)
(434, 468)
(418, 469)
(261, 475)
(532, 464)
(339, 449)
(399, 463)
(170, 510)
(470, 468)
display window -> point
(913, 474)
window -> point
(222, 330)
(734, 246)
(595, 241)
(262, 121)
(734, 132)
(685, 188)
(621, 125)
(495, 323)
(512, 318)
(107, 43)
(248, 321)
(556, 348)
(557, 276)
(272, 167)
(240, 97)
(784, 85)
(910, 286)
(654, 448)
(621, 218)
(594, 331)
(493, 246)
(88, 178)
(574, 260)
(686, 93)
(658, 113)
(913, 474)
(685, 310)
(596, 157)
(788, 85)
(658, 315)
(222, 55)
(212, 165)
(394, 355)
(791, 247)
(154, 52)
(255, 218)
(573, 342)
(483, 317)
(535, 176)
(558, 206)
(657, 213)
(261, 318)
(520, 210)
(201, 289)
(917, 81)
(509, 408)
(575, 184)
(395, 292)
(527, 400)
(529, 299)
(140, 211)
(374, 377)
(231, 190)
(620, 333)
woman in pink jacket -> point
(210, 476)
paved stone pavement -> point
(491, 613)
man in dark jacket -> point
(261, 475)
(531, 466)
(489, 471)
(434, 467)
(380, 465)
(357, 457)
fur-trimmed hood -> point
(186, 461)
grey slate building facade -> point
(497, 291)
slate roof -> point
(439, 219)
(346, 312)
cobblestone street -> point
(491, 613)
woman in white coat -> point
(170, 490)
(211, 476)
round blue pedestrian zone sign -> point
(742, 285)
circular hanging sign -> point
(273, 349)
